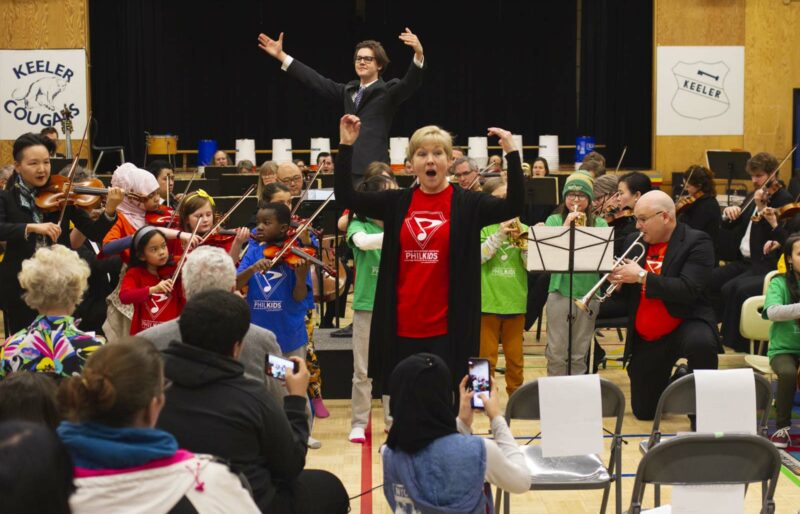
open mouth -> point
(430, 173)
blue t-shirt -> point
(272, 306)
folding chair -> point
(565, 473)
(103, 149)
(751, 325)
(697, 459)
(680, 398)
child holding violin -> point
(198, 208)
(699, 208)
(148, 284)
(29, 219)
(280, 295)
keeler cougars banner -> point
(700, 90)
(36, 85)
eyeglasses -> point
(364, 58)
(576, 196)
(641, 220)
(289, 180)
(461, 175)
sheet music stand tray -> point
(554, 249)
(728, 165)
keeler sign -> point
(35, 85)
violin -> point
(785, 212)
(770, 188)
(85, 194)
(160, 217)
(295, 256)
(684, 202)
(617, 216)
(297, 222)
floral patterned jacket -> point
(51, 344)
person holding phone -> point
(430, 456)
(212, 408)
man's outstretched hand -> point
(410, 39)
(272, 46)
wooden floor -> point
(360, 471)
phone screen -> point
(479, 380)
(277, 366)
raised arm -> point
(323, 86)
(405, 87)
(496, 210)
(373, 204)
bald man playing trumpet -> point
(669, 313)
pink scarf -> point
(134, 180)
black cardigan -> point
(13, 219)
(469, 212)
(682, 284)
(704, 215)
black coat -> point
(13, 219)
(376, 109)
(213, 408)
(732, 233)
(683, 283)
(469, 212)
(704, 215)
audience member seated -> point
(431, 462)
(26, 396)
(213, 408)
(35, 470)
(54, 280)
(207, 269)
(122, 462)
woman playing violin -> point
(699, 208)
(198, 207)
(25, 227)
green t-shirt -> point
(367, 264)
(581, 282)
(784, 336)
(504, 279)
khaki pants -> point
(496, 330)
(558, 335)
(361, 396)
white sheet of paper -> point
(726, 400)
(548, 249)
(664, 509)
(572, 422)
(708, 499)
(317, 195)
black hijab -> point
(421, 403)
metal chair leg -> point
(97, 163)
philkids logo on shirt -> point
(268, 283)
(423, 225)
(158, 302)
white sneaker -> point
(781, 438)
(357, 435)
(313, 443)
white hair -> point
(207, 268)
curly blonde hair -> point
(430, 134)
(53, 278)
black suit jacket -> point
(683, 283)
(376, 109)
(13, 219)
(705, 215)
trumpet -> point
(521, 240)
(580, 220)
(583, 303)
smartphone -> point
(479, 380)
(276, 366)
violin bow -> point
(299, 231)
(227, 215)
(771, 178)
(183, 257)
(622, 156)
(71, 174)
(185, 192)
(480, 174)
(304, 194)
(683, 186)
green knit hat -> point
(580, 182)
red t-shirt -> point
(653, 321)
(150, 310)
(423, 279)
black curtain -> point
(616, 85)
(193, 68)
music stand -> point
(553, 249)
(728, 165)
(541, 191)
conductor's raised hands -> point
(349, 128)
(410, 39)
(506, 138)
(273, 47)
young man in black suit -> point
(373, 100)
(669, 314)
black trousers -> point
(313, 492)
(735, 283)
(652, 361)
(538, 284)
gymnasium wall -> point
(767, 28)
(42, 24)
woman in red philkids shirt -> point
(428, 297)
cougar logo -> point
(41, 92)
(701, 89)
(423, 225)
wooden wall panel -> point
(42, 24)
(693, 23)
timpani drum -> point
(162, 145)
